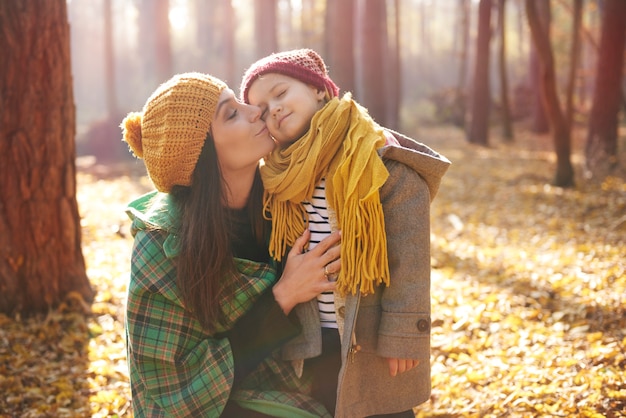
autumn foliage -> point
(528, 292)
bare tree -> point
(109, 61)
(41, 261)
(310, 23)
(207, 14)
(587, 51)
(507, 128)
(154, 33)
(478, 132)
(227, 48)
(464, 29)
(393, 69)
(539, 116)
(601, 147)
(339, 39)
(373, 49)
(558, 123)
(161, 30)
(265, 24)
(574, 55)
(215, 38)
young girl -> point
(335, 168)
(206, 307)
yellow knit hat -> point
(170, 131)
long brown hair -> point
(206, 260)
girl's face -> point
(240, 135)
(288, 105)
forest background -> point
(529, 277)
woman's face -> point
(288, 105)
(240, 136)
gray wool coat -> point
(394, 321)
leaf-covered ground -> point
(529, 288)
(528, 292)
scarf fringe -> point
(289, 221)
(368, 265)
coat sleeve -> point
(404, 330)
(257, 333)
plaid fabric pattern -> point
(177, 369)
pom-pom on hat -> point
(170, 131)
(302, 64)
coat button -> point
(423, 325)
(342, 311)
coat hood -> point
(425, 161)
(153, 210)
(156, 211)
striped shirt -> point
(319, 225)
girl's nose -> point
(275, 109)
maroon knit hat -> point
(302, 64)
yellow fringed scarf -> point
(340, 146)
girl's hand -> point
(305, 274)
(401, 365)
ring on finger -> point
(326, 272)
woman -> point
(206, 307)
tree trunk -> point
(40, 239)
(339, 38)
(539, 115)
(154, 40)
(373, 47)
(479, 124)
(589, 54)
(461, 93)
(601, 147)
(215, 39)
(309, 24)
(573, 65)
(265, 27)
(227, 48)
(206, 35)
(161, 31)
(464, 11)
(394, 73)
(109, 62)
(99, 134)
(560, 130)
(507, 128)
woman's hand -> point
(306, 274)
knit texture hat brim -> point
(305, 65)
